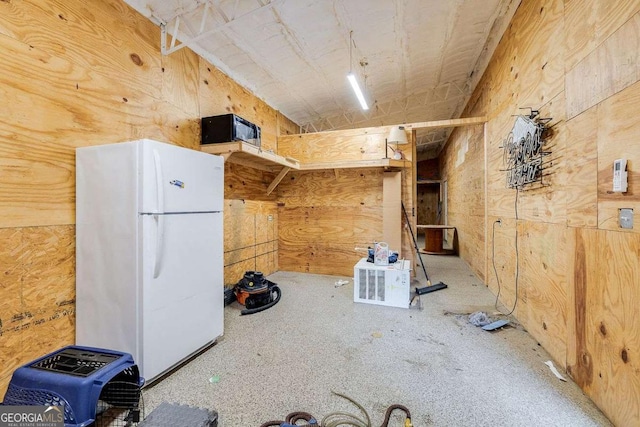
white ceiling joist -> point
(172, 41)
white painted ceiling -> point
(424, 57)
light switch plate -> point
(625, 218)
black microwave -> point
(228, 128)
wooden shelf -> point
(435, 227)
(249, 155)
(428, 181)
(385, 163)
(252, 156)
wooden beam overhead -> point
(436, 124)
(451, 123)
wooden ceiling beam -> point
(451, 123)
(436, 124)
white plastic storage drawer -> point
(383, 285)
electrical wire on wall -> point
(493, 259)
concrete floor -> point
(432, 360)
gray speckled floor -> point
(445, 370)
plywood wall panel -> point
(266, 228)
(428, 199)
(38, 293)
(286, 126)
(582, 278)
(463, 170)
(580, 35)
(265, 248)
(581, 162)
(9, 359)
(242, 182)
(468, 238)
(324, 216)
(241, 254)
(500, 81)
(241, 230)
(51, 110)
(58, 106)
(542, 264)
(180, 84)
(537, 61)
(11, 248)
(354, 226)
(250, 238)
(611, 67)
(318, 258)
(267, 262)
(588, 24)
(37, 184)
(328, 188)
(93, 38)
(612, 327)
(49, 276)
(354, 144)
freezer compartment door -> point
(177, 179)
(183, 305)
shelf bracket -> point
(277, 179)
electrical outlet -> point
(270, 218)
(625, 218)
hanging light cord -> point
(350, 51)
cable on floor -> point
(340, 418)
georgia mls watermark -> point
(31, 416)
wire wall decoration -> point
(523, 151)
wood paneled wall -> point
(427, 204)
(428, 194)
(251, 238)
(73, 74)
(461, 169)
(578, 273)
(324, 215)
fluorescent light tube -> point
(356, 89)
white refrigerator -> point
(149, 251)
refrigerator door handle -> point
(159, 179)
(159, 219)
